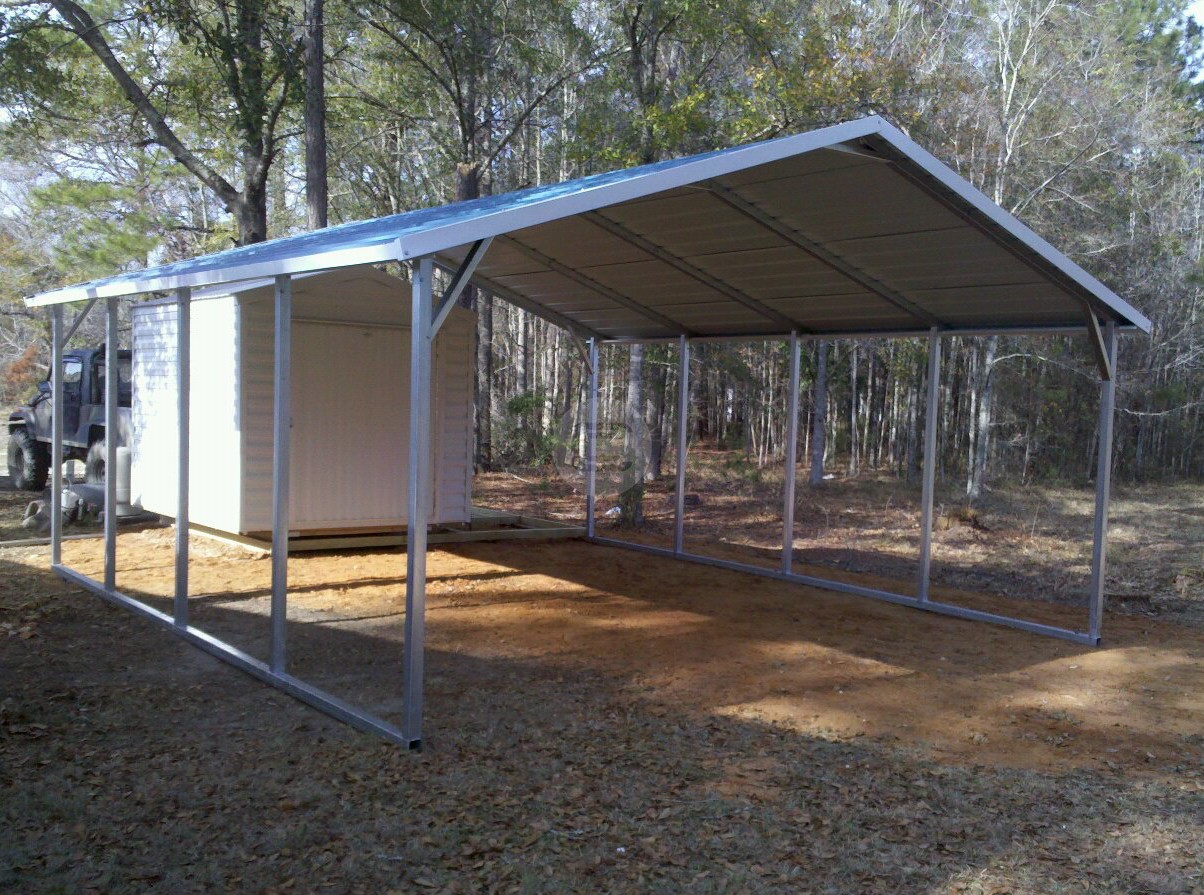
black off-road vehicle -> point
(30, 427)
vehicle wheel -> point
(94, 463)
(28, 461)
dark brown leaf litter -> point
(597, 722)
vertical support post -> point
(112, 373)
(56, 437)
(683, 418)
(183, 389)
(930, 417)
(281, 425)
(1103, 487)
(791, 458)
(591, 440)
(416, 497)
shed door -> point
(351, 405)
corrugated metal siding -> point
(214, 461)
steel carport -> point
(845, 232)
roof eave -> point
(351, 257)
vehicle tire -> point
(94, 463)
(28, 461)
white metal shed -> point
(350, 407)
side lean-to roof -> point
(847, 229)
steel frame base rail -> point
(856, 589)
(261, 671)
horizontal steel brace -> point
(298, 689)
(600, 288)
(691, 270)
(858, 590)
(826, 256)
(877, 334)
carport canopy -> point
(848, 231)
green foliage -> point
(101, 227)
(520, 440)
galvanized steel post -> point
(1103, 487)
(112, 373)
(56, 437)
(183, 387)
(281, 425)
(791, 458)
(416, 511)
(930, 417)
(683, 417)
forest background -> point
(133, 133)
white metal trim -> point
(269, 270)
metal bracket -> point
(520, 301)
(583, 350)
(859, 151)
(79, 318)
(1095, 338)
(460, 280)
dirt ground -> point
(598, 721)
(1027, 542)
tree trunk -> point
(983, 425)
(656, 431)
(819, 403)
(631, 498)
(853, 460)
(315, 115)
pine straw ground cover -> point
(1028, 542)
(130, 762)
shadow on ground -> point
(134, 763)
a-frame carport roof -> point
(850, 229)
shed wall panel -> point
(214, 463)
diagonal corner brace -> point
(1095, 338)
(460, 280)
